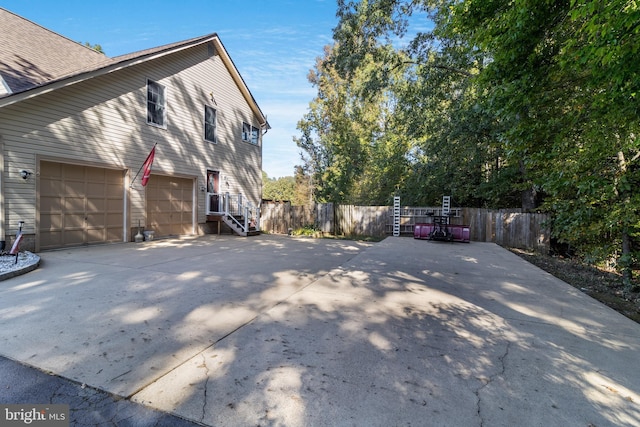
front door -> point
(213, 191)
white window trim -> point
(164, 112)
(248, 136)
(215, 125)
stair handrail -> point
(250, 212)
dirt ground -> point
(602, 285)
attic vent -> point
(211, 49)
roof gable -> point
(35, 60)
(31, 55)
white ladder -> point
(446, 205)
(396, 216)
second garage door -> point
(169, 205)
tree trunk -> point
(529, 195)
(529, 199)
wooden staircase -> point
(242, 217)
(236, 224)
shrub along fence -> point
(506, 227)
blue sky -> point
(274, 44)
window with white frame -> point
(246, 131)
(156, 104)
(210, 117)
(250, 133)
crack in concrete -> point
(206, 385)
(486, 381)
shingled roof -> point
(31, 55)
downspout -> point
(3, 235)
(125, 206)
(194, 208)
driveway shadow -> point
(292, 332)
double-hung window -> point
(210, 116)
(156, 104)
(250, 133)
(246, 131)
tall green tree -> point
(602, 51)
(498, 104)
(562, 78)
(346, 140)
(448, 137)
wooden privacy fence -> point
(509, 227)
(279, 217)
(506, 227)
(362, 220)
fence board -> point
(325, 217)
(361, 220)
(302, 216)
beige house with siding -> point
(76, 126)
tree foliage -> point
(498, 104)
(95, 47)
(405, 122)
(347, 139)
(562, 76)
(294, 189)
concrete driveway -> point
(279, 331)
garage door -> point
(169, 205)
(80, 205)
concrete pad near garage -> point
(117, 317)
(280, 331)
